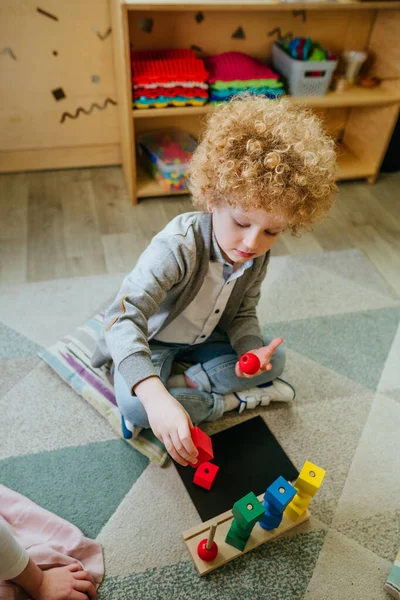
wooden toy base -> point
(259, 536)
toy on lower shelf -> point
(166, 154)
(237, 531)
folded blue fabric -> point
(273, 94)
(229, 92)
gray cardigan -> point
(165, 280)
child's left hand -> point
(264, 354)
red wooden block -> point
(205, 474)
(203, 443)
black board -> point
(249, 459)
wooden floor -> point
(57, 224)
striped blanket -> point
(70, 358)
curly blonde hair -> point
(266, 154)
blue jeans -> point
(213, 370)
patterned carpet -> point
(340, 321)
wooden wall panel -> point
(59, 49)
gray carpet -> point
(340, 321)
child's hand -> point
(264, 354)
(171, 424)
(66, 583)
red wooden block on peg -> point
(205, 474)
(249, 363)
(203, 443)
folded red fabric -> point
(194, 92)
(232, 66)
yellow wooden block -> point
(293, 512)
(310, 478)
(297, 506)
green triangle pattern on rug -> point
(278, 570)
(15, 345)
(82, 484)
(354, 344)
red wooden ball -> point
(249, 363)
(204, 554)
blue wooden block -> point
(279, 494)
(271, 518)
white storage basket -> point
(298, 73)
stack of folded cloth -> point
(232, 73)
(168, 77)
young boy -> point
(262, 167)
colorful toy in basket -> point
(168, 77)
(301, 48)
(166, 156)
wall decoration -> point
(199, 17)
(47, 14)
(59, 94)
(104, 35)
(281, 38)
(9, 51)
(87, 112)
(146, 25)
(300, 13)
(239, 34)
(95, 78)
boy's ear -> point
(210, 206)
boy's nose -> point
(250, 242)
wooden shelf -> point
(349, 167)
(357, 96)
(363, 119)
(170, 111)
(265, 5)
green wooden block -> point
(239, 531)
(247, 511)
(236, 537)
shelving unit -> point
(362, 120)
